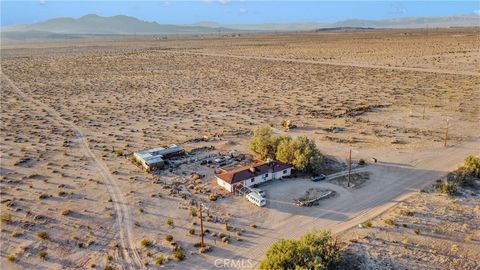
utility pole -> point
(446, 135)
(349, 166)
(201, 223)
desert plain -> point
(74, 111)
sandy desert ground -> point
(429, 230)
(72, 113)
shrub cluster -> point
(315, 250)
(463, 176)
(146, 242)
(301, 152)
(179, 253)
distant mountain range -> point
(125, 25)
(413, 22)
(116, 25)
(401, 22)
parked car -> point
(318, 177)
(259, 192)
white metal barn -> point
(155, 158)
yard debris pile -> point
(334, 129)
(357, 111)
(287, 125)
(313, 196)
(205, 138)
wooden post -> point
(446, 135)
(423, 115)
(349, 166)
(201, 223)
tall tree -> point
(315, 250)
(261, 143)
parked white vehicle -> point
(256, 199)
(259, 192)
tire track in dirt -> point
(129, 254)
(316, 62)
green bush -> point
(169, 238)
(407, 213)
(119, 152)
(170, 222)
(463, 176)
(11, 258)
(389, 221)
(416, 231)
(179, 253)
(205, 249)
(448, 188)
(472, 165)
(367, 224)
(6, 217)
(42, 254)
(315, 250)
(191, 231)
(160, 260)
(262, 142)
(108, 267)
(306, 155)
(42, 235)
(146, 242)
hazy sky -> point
(228, 12)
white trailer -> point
(256, 199)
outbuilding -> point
(155, 158)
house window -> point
(252, 180)
(284, 171)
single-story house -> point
(252, 175)
(155, 158)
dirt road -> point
(333, 63)
(128, 252)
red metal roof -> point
(245, 172)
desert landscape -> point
(406, 102)
(428, 230)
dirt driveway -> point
(281, 194)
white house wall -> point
(280, 174)
(258, 179)
(224, 184)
